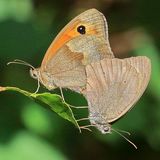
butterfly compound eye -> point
(81, 29)
(33, 73)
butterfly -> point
(113, 88)
(80, 58)
(82, 41)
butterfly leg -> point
(78, 107)
(82, 119)
(83, 127)
(86, 127)
(38, 86)
(62, 93)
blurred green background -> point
(30, 132)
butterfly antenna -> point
(122, 131)
(125, 137)
(18, 61)
(21, 62)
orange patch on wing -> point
(66, 35)
(92, 31)
(60, 40)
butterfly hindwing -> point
(115, 85)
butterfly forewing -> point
(115, 85)
(94, 23)
(64, 70)
(64, 62)
(67, 67)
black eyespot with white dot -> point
(81, 29)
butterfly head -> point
(34, 73)
(100, 123)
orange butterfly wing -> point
(95, 24)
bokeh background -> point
(30, 132)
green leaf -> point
(52, 101)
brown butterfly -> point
(83, 41)
(113, 88)
(80, 58)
